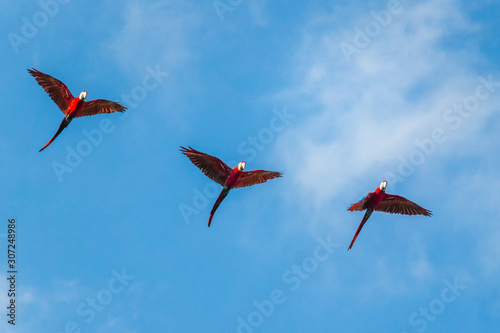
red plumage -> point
(383, 202)
(69, 105)
(222, 174)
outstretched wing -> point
(98, 106)
(211, 166)
(249, 178)
(360, 205)
(396, 204)
(57, 90)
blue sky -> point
(337, 95)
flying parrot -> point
(383, 202)
(229, 178)
(71, 107)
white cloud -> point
(137, 45)
(364, 114)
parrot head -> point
(383, 185)
(241, 166)
(83, 95)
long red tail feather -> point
(221, 197)
(63, 125)
(363, 221)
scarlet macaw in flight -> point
(383, 202)
(229, 178)
(71, 107)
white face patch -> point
(83, 95)
(383, 185)
(241, 166)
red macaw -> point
(383, 202)
(71, 107)
(229, 178)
